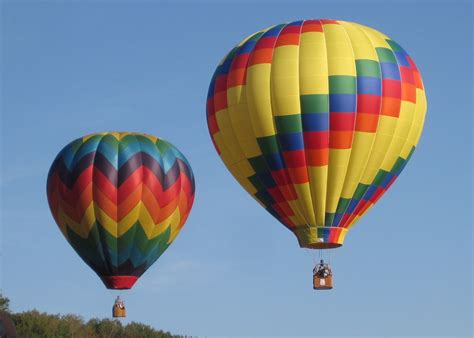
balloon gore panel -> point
(120, 199)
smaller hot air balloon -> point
(120, 199)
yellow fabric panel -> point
(338, 162)
(117, 135)
(259, 100)
(241, 123)
(232, 166)
(417, 125)
(108, 223)
(174, 224)
(304, 200)
(245, 168)
(172, 221)
(81, 229)
(339, 51)
(87, 137)
(243, 137)
(405, 121)
(421, 113)
(150, 137)
(386, 129)
(313, 64)
(299, 216)
(361, 44)
(225, 153)
(227, 133)
(242, 178)
(378, 39)
(228, 136)
(361, 150)
(318, 177)
(124, 224)
(284, 81)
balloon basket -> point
(119, 310)
(322, 283)
(322, 276)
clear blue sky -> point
(69, 69)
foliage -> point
(35, 324)
(4, 303)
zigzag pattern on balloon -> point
(120, 199)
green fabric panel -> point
(76, 145)
(360, 191)
(152, 249)
(395, 46)
(314, 103)
(398, 164)
(258, 164)
(162, 146)
(329, 219)
(342, 84)
(320, 232)
(288, 124)
(385, 55)
(342, 205)
(379, 177)
(411, 153)
(368, 68)
(265, 197)
(268, 145)
(111, 141)
(134, 245)
(89, 249)
(256, 36)
(232, 52)
(126, 242)
(256, 182)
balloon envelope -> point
(316, 119)
(120, 199)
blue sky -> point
(72, 68)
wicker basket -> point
(322, 283)
(118, 311)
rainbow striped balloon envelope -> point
(316, 119)
(120, 199)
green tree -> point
(106, 328)
(139, 330)
(4, 303)
(35, 324)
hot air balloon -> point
(316, 119)
(120, 199)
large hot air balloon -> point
(316, 119)
(120, 199)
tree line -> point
(36, 324)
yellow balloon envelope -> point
(316, 119)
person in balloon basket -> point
(322, 276)
(119, 308)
